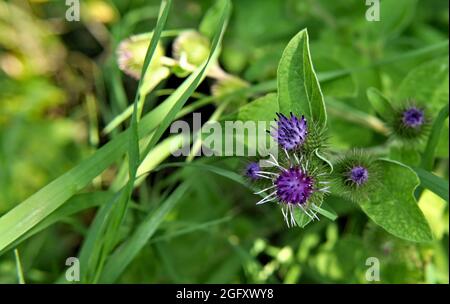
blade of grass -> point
(120, 259)
(74, 205)
(190, 229)
(19, 268)
(433, 182)
(107, 236)
(180, 96)
(433, 139)
(188, 87)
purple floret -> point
(291, 132)
(413, 117)
(294, 186)
(252, 171)
(358, 175)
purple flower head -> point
(290, 132)
(358, 175)
(294, 186)
(413, 117)
(252, 171)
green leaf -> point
(433, 182)
(339, 87)
(298, 87)
(94, 254)
(395, 16)
(261, 109)
(326, 212)
(405, 154)
(211, 19)
(393, 206)
(76, 204)
(433, 139)
(380, 103)
(427, 84)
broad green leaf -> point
(395, 16)
(298, 87)
(405, 154)
(380, 103)
(339, 86)
(261, 109)
(427, 85)
(393, 206)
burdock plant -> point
(355, 175)
(410, 122)
(297, 180)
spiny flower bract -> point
(410, 122)
(355, 175)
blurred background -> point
(60, 85)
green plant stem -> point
(351, 114)
(19, 268)
(433, 139)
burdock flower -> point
(358, 175)
(131, 54)
(290, 133)
(192, 47)
(413, 117)
(252, 171)
(410, 122)
(297, 185)
(355, 175)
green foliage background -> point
(197, 222)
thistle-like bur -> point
(297, 180)
(410, 122)
(355, 175)
(191, 47)
(131, 54)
